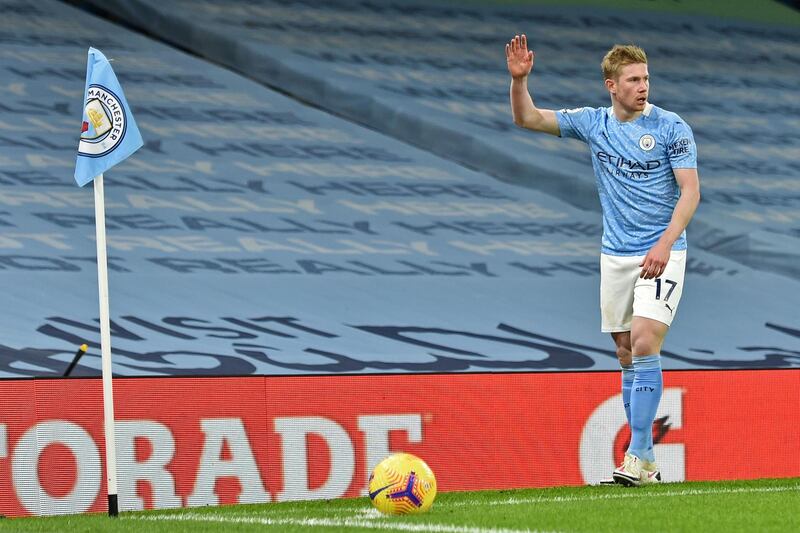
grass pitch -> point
(730, 507)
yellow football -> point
(402, 484)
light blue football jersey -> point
(633, 164)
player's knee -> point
(646, 345)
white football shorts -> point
(623, 294)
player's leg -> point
(639, 467)
(655, 302)
(617, 281)
(622, 340)
(647, 338)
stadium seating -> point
(433, 75)
(254, 234)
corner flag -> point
(109, 133)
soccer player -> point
(645, 165)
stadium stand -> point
(433, 75)
(254, 234)
(249, 218)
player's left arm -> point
(657, 258)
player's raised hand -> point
(518, 58)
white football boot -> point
(610, 479)
(630, 472)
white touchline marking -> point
(328, 522)
(369, 520)
(632, 493)
(369, 513)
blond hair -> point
(618, 57)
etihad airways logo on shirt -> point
(627, 168)
(627, 164)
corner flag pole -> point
(105, 347)
(109, 135)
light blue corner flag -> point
(109, 134)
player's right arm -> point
(520, 63)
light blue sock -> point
(645, 396)
(627, 385)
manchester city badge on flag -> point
(109, 133)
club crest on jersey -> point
(104, 122)
(647, 142)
